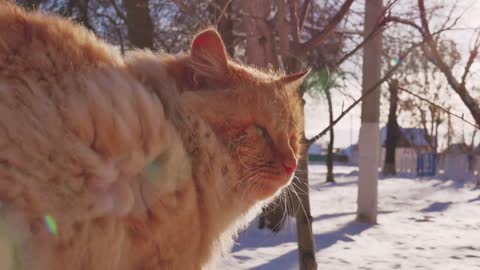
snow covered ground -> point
(424, 223)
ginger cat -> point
(143, 162)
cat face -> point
(267, 146)
(256, 114)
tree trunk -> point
(369, 139)
(392, 131)
(139, 23)
(260, 48)
(332, 137)
(449, 130)
(306, 243)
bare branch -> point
(222, 12)
(440, 107)
(359, 46)
(187, 9)
(325, 33)
(405, 22)
(303, 14)
(120, 14)
(471, 58)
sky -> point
(346, 131)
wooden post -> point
(369, 139)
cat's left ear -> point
(209, 56)
(295, 80)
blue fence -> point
(426, 164)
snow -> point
(423, 223)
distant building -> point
(351, 153)
(413, 153)
(460, 162)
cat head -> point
(256, 114)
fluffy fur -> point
(147, 162)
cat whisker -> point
(297, 187)
(303, 208)
(251, 187)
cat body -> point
(143, 162)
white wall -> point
(405, 160)
(456, 166)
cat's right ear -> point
(209, 56)
(295, 80)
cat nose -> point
(290, 166)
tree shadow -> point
(252, 238)
(328, 239)
(290, 259)
(335, 215)
(436, 207)
(474, 199)
(449, 183)
(322, 185)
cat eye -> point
(260, 131)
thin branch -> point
(188, 10)
(423, 18)
(359, 46)
(440, 107)
(405, 22)
(222, 12)
(120, 14)
(449, 16)
(303, 14)
(471, 58)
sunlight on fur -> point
(148, 161)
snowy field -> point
(424, 223)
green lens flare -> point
(51, 224)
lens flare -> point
(50, 224)
(394, 61)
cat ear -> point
(295, 80)
(209, 55)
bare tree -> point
(433, 53)
(392, 130)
